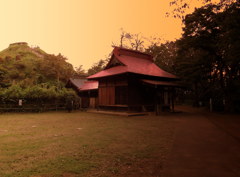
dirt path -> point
(202, 149)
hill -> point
(28, 66)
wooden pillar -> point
(128, 90)
(89, 104)
(158, 101)
(173, 98)
(80, 103)
(155, 103)
(169, 96)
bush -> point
(39, 94)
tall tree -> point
(179, 7)
(208, 58)
(164, 55)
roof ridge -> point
(130, 52)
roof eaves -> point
(93, 78)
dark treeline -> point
(207, 57)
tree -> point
(208, 55)
(56, 68)
(4, 81)
(80, 71)
(96, 67)
(179, 7)
(164, 55)
(130, 41)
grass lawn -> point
(83, 144)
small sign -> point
(20, 102)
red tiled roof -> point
(164, 83)
(89, 85)
(134, 62)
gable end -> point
(114, 62)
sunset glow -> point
(83, 31)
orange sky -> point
(82, 30)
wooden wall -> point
(140, 94)
(108, 88)
(125, 90)
(128, 91)
(93, 102)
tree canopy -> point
(30, 73)
(209, 54)
(179, 7)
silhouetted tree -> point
(209, 54)
(96, 67)
(164, 55)
(179, 7)
(130, 41)
(80, 71)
